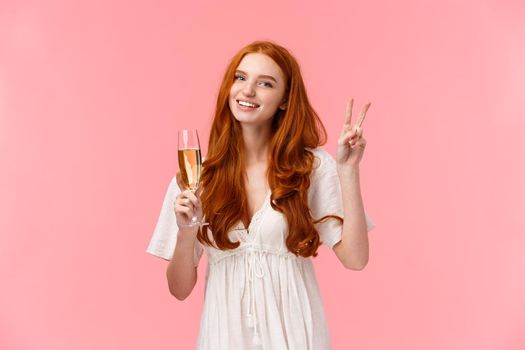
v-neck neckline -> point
(258, 211)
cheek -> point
(275, 99)
(231, 102)
(233, 94)
(231, 97)
(235, 89)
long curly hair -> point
(224, 200)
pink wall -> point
(91, 95)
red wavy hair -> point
(224, 199)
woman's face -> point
(258, 80)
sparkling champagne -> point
(190, 164)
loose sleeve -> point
(164, 238)
(325, 197)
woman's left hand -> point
(351, 144)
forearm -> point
(355, 235)
(181, 272)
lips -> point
(250, 102)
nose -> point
(248, 89)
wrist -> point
(345, 169)
(187, 233)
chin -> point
(246, 119)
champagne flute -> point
(190, 164)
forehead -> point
(260, 64)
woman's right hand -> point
(186, 205)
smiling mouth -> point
(247, 105)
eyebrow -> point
(261, 76)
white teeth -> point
(246, 104)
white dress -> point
(261, 296)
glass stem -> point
(194, 219)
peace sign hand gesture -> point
(351, 143)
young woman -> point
(271, 196)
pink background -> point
(91, 96)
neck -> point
(256, 142)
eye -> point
(267, 84)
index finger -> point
(180, 182)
